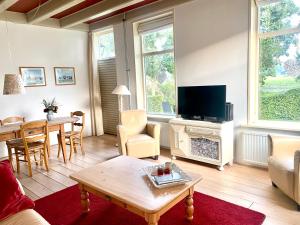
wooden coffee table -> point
(122, 181)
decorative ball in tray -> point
(166, 175)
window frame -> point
(253, 71)
(152, 53)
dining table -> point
(12, 131)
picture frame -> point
(64, 75)
(33, 76)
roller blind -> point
(109, 102)
(155, 24)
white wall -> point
(45, 47)
(211, 47)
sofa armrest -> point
(153, 129)
(297, 176)
(27, 216)
(122, 139)
(284, 146)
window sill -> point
(160, 118)
(274, 125)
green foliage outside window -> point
(159, 71)
(279, 62)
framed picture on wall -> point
(64, 75)
(33, 76)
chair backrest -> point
(134, 121)
(283, 146)
(80, 123)
(34, 131)
(12, 120)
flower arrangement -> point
(50, 106)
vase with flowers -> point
(51, 107)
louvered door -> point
(109, 102)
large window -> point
(279, 60)
(105, 44)
(158, 67)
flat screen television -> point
(202, 102)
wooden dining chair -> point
(74, 137)
(11, 121)
(34, 137)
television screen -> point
(202, 102)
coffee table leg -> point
(85, 201)
(189, 206)
(152, 219)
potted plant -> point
(51, 107)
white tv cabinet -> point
(202, 141)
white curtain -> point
(95, 97)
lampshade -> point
(13, 85)
(121, 90)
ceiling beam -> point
(99, 9)
(20, 18)
(155, 7)
(5, 4)
(48, 9)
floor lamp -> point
(121, 90)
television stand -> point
(202, 141)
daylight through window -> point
(158, 66)
(105, 44)
(279, 60)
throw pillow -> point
(11, 198)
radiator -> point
(255, 148)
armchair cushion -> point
(139, 138)
(140, 145)
(12, 198)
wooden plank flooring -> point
(242, 185)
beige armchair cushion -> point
(140, 145)
(136, 136)
(284, 164)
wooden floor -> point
(241, 185)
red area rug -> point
(63, 208)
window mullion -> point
(278, 33)
(158, 52)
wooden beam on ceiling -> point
(48, 9)
(154, 7)
(20, 18)
(99, 9)
(5, 4)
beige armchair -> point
(136, 136)
(284, 166)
